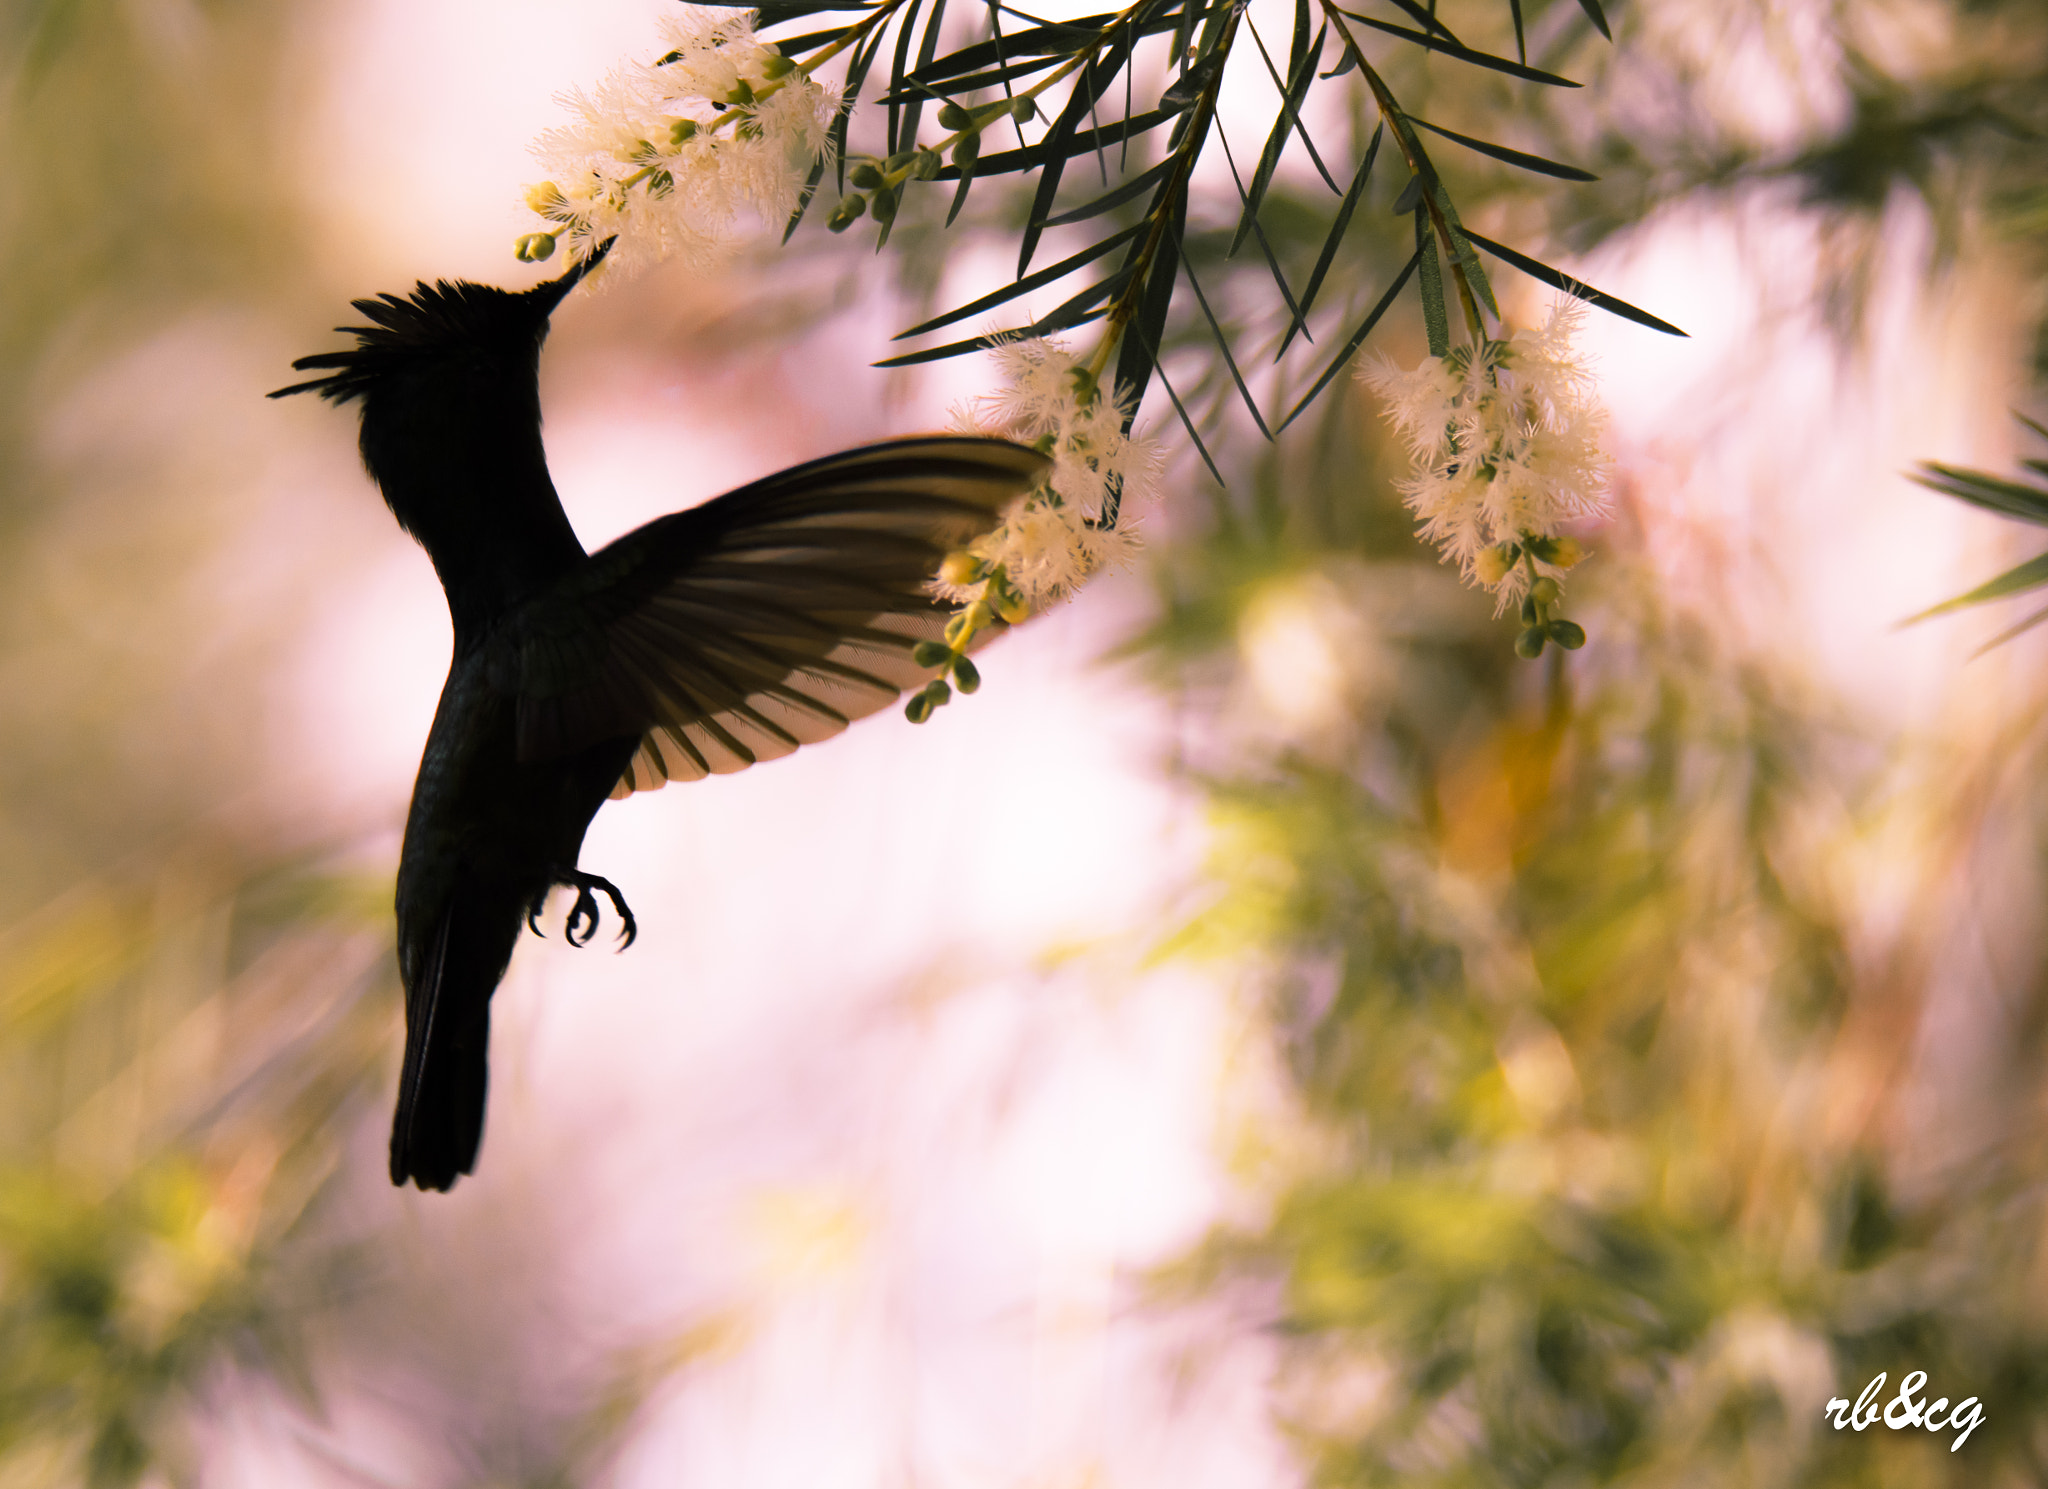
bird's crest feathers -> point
(436, 318)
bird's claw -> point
(581, 926)
(584, 912)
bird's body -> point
(702, 642)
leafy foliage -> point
(2014, 499)
(1061, 80)
(1596, 1167)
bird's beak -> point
(550, 293)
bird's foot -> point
(582, 923)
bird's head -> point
(448, 381)
(452, 334)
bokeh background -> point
(1269, 1035)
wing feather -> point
(764, 620)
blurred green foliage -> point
(1597, 1071)
(185, 1006)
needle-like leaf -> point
(1526, 161)
(1336, 236)
(1358, 337)
(1223, 345)
(1462, 53)
(1577, 289)
(1025, 285)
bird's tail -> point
(440, 1120)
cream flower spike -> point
(1509, 446)
(665, 156)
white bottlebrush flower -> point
(1508, 447)
(665, 155)
(1056, 535)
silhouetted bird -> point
(707, 640)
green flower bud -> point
(1492, 564)
(937, 693)
(966, 151)
(966, 674)
(961, 567)
(1023, 110)
(884, 205)
(952, 116)
(930, 653)
(1011, 607)
(536, 248)
(928, 164)
(958, 629)
(682, 131)
(867, 176)
(1544, 591)
(1530, 643)
(918, 709)
(899, 161)
(775, 65)
(1530, 614)
(1568, 634)
(1561, 552)
(847, 212)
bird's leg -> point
(583, 915)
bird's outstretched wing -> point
(764, 619)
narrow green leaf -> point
(1025, 285)
(1329, 254)
(1465, 54)
(906, 27)
(1007, 161)
(2009, 632)
(954, 87)
(2007, 498)
(1521, 40)
(1223, 345)
(2030, 575)
(803, 201)
(995, 31)
(1136, 186)
(1592, 8)
(1053, 322)
(1059, 39)
(1265, 248)
(913, 111)
(1055, 146)
(1423, 18)
(856, 74)
(1284, 123)
(1139, 355)
(1298, 44)
(1435, 319)
(1180, 408)
(1577, 289)
(1425, 249)
(1461, 245)
(1527, 162)
(1182, 92)
(791, 46)
(1303, 73)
